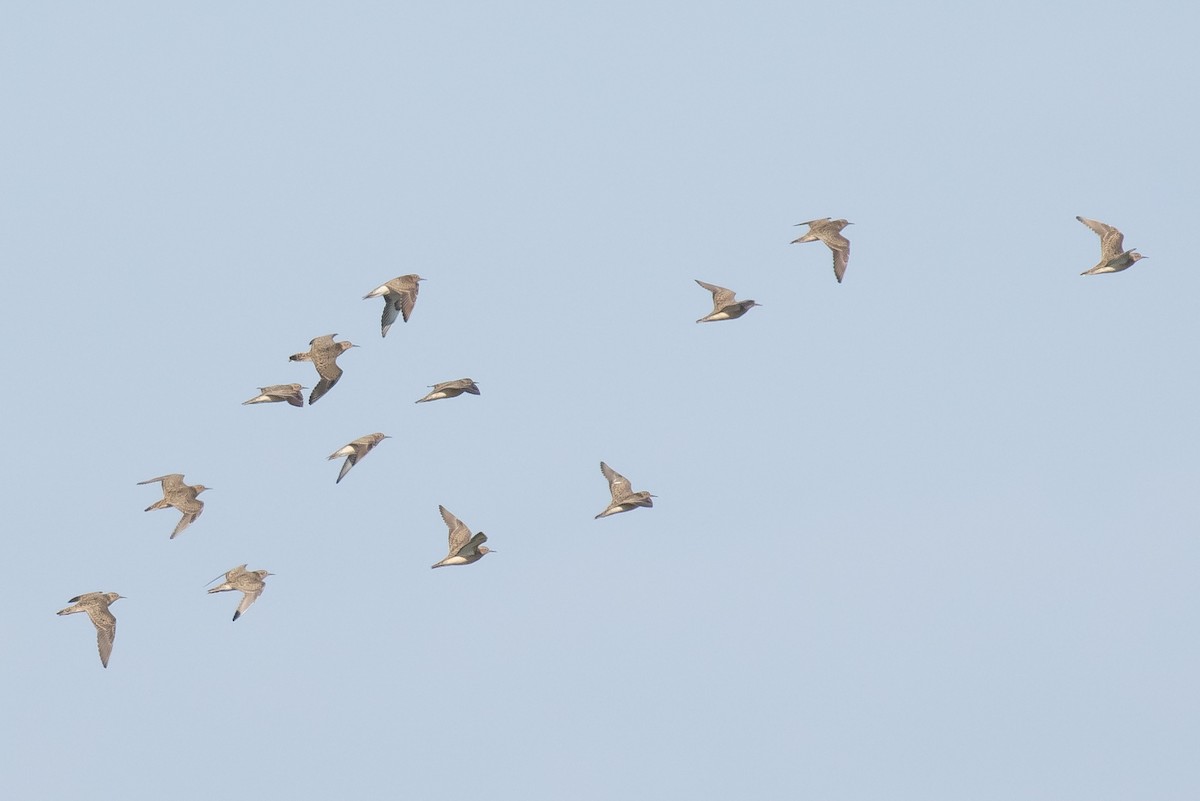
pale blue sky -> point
(929, 534)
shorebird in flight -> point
(399, 297)
(356, 450)
(451, 389)
(464, 548)
(96, 605)
(1113, 256)
(623, 496)
(249, 583)
(830, 232)
(323, 353)
(279, 392)
(181, 496)
(724, 305)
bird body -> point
(181, 496)
(724, 305)
(1113, 256)
(830, 232)
(399, 297)
(96, 605)
(624, 498)
(465, 548)
(451, 389)
(323, 353)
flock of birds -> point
(465, 547)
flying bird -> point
(96, 605)
(356, 450)
(830, 232)
(623, 496)
(249, 583)
(1113, 256)
(181, 496)
(464, 548)
(323, 353)
(724, 305)
(451, 389)
(399, 297)
(279, 392)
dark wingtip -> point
(236, 615)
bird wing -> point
(1112, 244)
(460, 384)
(840, 246)
(248, 597)
(471, 547)
(186, 520)
(407, 299)
(459, 533)
(351, 460)
(330, 373)
(722, 297)
(814, 222)
(1099, 228)
(1112, 241)
(618, 485)
(106, 630)
(172, 481)
(391, 310)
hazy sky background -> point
(929, 534)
